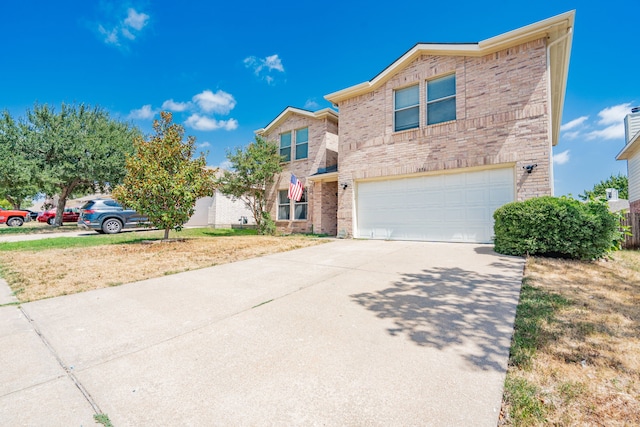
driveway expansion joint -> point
(68, 372)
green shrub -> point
(557, 227)
(267, 225)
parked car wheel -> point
(112, 226)
(51, 221)
(15, 221)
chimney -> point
(631, 124)
(612, 194)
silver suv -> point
(107, 216)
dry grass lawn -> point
(585, 370)
(34, 275)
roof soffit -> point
(630, 149)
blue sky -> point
(227, 69)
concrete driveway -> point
(350, 333)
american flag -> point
(295, 189)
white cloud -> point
(614, 115)
(204, 145)
(571, 135)
(610, 121)
(171, 105)
(220, 102)
(274, 63)
(262, 67)
(110, 37)
(610, 132)
(574, 123)
(128, 28)
(231, 124)
(198, 122)
(613, 119)
(136, 20)
(144, 113)
(225, 165)
(311, 104)
(128, 34)
(200, 111)
(561, 158)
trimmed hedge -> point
(559, 227)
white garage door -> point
(449, 208)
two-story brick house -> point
(432, 145)
(308, 143)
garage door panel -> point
(478, 214)
(456, 215)
(498, 194)
(457, 180)
(475, 196)
(430, 213)
(500, 175)
(452, 207)
(433, 198)
(454, 197)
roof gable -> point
(289, 111)
(557, 30)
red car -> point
(13, 218)
(69, 215)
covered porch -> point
(325, 200)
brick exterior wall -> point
(502, 118)
(322, 152)
(634, 206)
(325, 210)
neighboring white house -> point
(220, 211)
(631, 153)
(615, 203)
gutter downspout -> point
(550, 131)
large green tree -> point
(619, 182)
(17, 171)
(253, 172)
(163, 179)
(78, 149)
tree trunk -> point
(14, 203)
(62, 201)
(166, 233)
(256, 211)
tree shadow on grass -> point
(469, 312)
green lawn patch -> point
(121, 238)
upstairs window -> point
(285, 146)
(406, 108)
(302, 143)
(441, 99)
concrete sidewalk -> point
(9, 238)
(346, 333)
